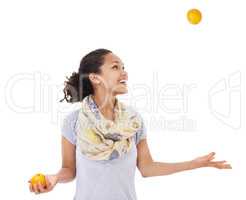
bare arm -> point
(68, 171)
(65, 174)
(148, 167)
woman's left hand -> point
(206, 161)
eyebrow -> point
(116, 61)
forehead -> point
(111, 58)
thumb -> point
(48, 184)
(210, 156)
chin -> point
(121, 92)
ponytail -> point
(78, 85)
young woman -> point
(104, 140)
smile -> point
(123, 82)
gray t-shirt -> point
(103, 179)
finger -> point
(215, 163)
(212, 154)
(211, 158)
(48, 184)
(221, 165)
(30, 187)
(41, 188)
(220, 161)
(208, 156)
(35, 188)
(227, 166)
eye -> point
(115, 67)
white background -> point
(176, 71)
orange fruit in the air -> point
(38, 178)
(194, 16)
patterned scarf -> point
(103, 139)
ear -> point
(94, 78)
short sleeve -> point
(142, 132)
(68, 127)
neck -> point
(105, 103)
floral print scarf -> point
(103, 139)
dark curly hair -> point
(78, 85)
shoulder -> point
(70, 119)
(72, 115)
(132, 109)
(68, 126)
(142, 132)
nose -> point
(124, 73)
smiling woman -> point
(100, 71)
(105, 140)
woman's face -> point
(113, 77)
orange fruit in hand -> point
(38, 178)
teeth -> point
(123, 81)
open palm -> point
(207, 161)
